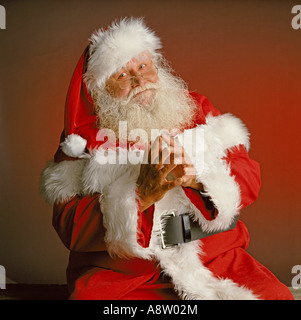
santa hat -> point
(80, 118)
(109, 50)
(113, 47)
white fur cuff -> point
(61, 181)
(212, 141)
(118, 201)
(120, 217)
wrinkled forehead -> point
(144, 56)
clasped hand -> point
(165, 169)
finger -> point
(186, 158)
(168, 139)
(177, 153)
(185, 178)
(144, 172)
(160, 151)
(174, 132)
(181, 155)
(172, 184)
(168, 155)
(152, 150)
(156, 147)
(189, 170)
(166, 170)
(146, 153)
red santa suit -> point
(115, 250)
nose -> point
(137, 80)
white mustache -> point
(139, 89)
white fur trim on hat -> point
(112, 48)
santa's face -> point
(156, 101)
(134, 80)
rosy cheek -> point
(120, 93)
(115, 91)
(156, 79)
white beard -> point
(171, 107)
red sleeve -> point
(205, 107)
(247, 174)
(79, 225)
(145, 225)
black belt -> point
(180, 229)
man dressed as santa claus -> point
(149, 180)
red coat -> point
(94, 227)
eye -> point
(142, 66)
(122, 75)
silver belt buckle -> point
(162, 232)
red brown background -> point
(243, 55)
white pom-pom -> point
(74, 145)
